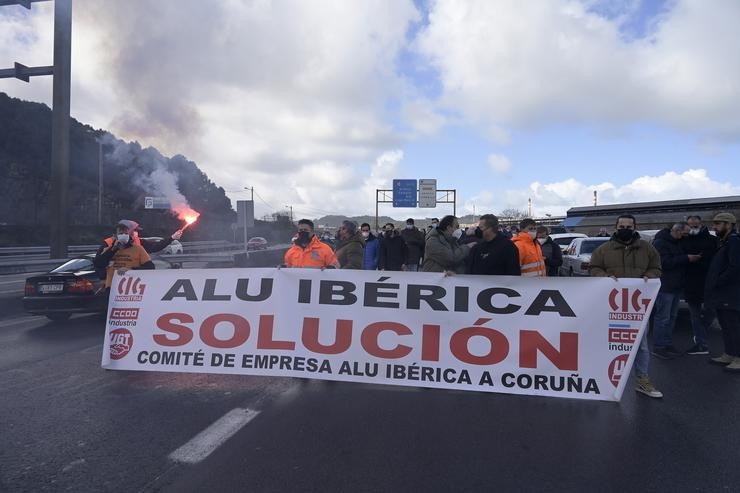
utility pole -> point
(100, 183)
(291, 212)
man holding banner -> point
(626, 255)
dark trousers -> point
(729, 320)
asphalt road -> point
(68, 425)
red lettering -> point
(342, 336)
(264, 335)
(370, 335)
(430, 343)
(208, 330)
(499, 346)
(183, 332)
(531, 341)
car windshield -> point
(563, 241)
(590, 246)
(75, 265)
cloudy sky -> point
(316, 104)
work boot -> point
(734, 366)
(723, 359)
(645, 386)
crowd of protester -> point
(694, 264)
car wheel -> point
(570, 272)
(58, 317)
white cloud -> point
(499, 164)
(556, 198)
(513, 63)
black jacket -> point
(415, 243)
(393, 252)
(673, 261)
(722, 288)
(498, 257)
(696, 273)
(553, 257)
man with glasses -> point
(308, 251)
(626, 255)
(496, 255)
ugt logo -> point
(130, 289)
(626, 305)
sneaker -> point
(663, 353)
(698, 349)
(734, 366)
(673, 351)
(723, 359)
(645, 386)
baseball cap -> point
(726, 217)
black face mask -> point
(304, 237)
(478, 233)
(388, 234)
(625, 234)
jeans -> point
(729, 320)
(642, 358)
(664, 319)
(411, 267)
(701, 319)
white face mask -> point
(532, 234)
(694, 231)
(542, 240)
(409, 226)
(123, 238)
(366, 234)
(457, 233)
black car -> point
(73, 287)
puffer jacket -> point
(722, 289)
(349, 252)
(370, 255)
(443, 253)
(634, 259)
(673, 262)
(696, 272)
(530, 256)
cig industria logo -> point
(130, 289)
(627, 304)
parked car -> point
(73, 287)
(174, 248)
(257, 243)
(563, 239)
(577, 259)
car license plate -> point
(51, 288)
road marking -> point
(212, 437)
(21, 320)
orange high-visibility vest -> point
(530, 256)
(315, 256)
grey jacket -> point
(442, 253)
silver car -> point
(577, 259)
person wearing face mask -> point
(530, 252)
(442, 252)
(350, 246)
(414, 239)
(698, 242)
(722, 289)
(393, 251)
(372, 247)
(308, 251)
(551, 252)
(627, 255)
(432, 226)
(495, 254)
(122, 254)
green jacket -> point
(350, 251)
(638, 258)
(442, 252)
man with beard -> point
(495, 255)
(308, 251)
(626, 255)
(722, 289)
(698, 242)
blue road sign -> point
(404, 193)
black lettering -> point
(242, 286)
(372, 293)
(337, 293)
(485, 301)
(182, 288)
(559, 305)
(209, 292)
(304, 291)
(433, 294)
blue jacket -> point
(722, 289)
(370, 257)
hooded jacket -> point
(393, 252)
(442, 253)
(349, 252)
(636, 258)
(722, 289)
(673, 262)
(530, 256)
(696, 272)
(315, 255)
(370, 255)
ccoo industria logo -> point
(627, 304)
(130, 289)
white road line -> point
(21, 320)
(212, 437)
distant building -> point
(649, 215)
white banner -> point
(560, 337)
